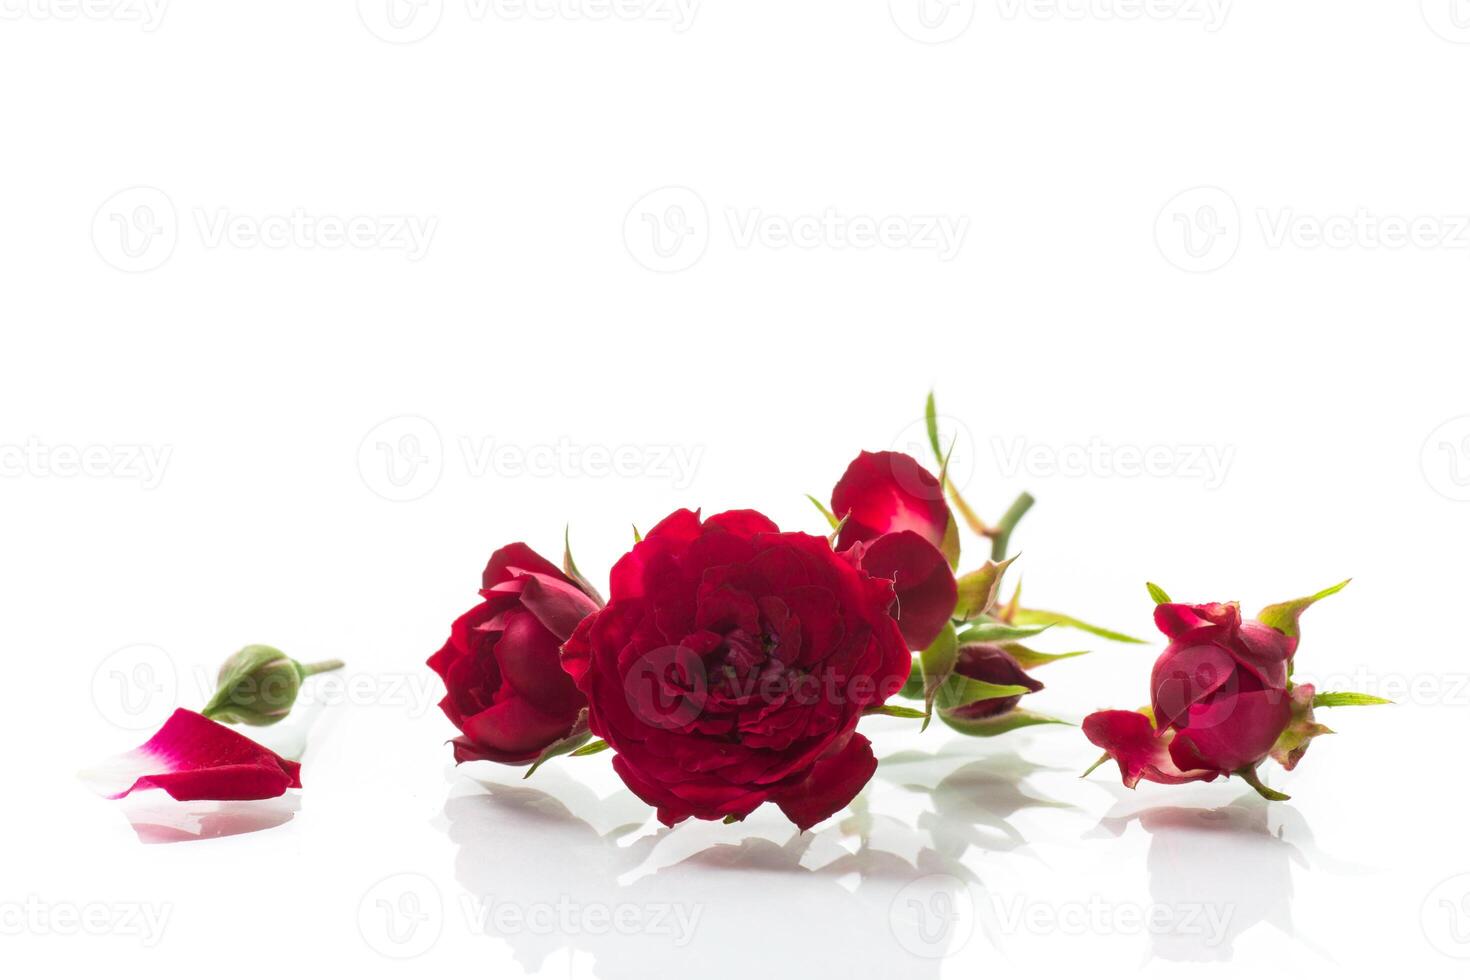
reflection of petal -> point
(168, 823)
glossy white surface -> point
(1235, 247)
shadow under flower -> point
(157, 819)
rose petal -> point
(559, 604)
(1174, 619)
(193, 758)
(830, 785)
(1141, 752)
(922, 580)
(883, 492)
(516, 556)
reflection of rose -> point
(731, 665)
(1219, 699)
(506, 690)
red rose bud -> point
(923, 583)
(1221, 699)
(887, 492)
(506, 690)
(989, 665)
(731, 665)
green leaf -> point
(570, 567)
(979, 589)
(1031, 659)
(895, 711)
(1284, 616)
(570, 742)
(831, 518)
(999, 632)
(637, 535)
(998, 724)
(931, 426)
(1254, 782)
(937, 662)
(591, 748)
(1159, 596)
(1037, 617)
(1345, 699)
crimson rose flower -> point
(1219, 699)
(507, 692)
(731, 665)
(896, 524)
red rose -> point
(506, 689)
(1219, 699)
(731, 665)
(896, 522)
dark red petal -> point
(559, 604)
(922, 580)
(516, 729)
(883, 492)
(529, 657)
(1141, 752)
(193, 758)
(632, 574)
(746, 523)
(1187, 673)
(1231, 731)
(504, 563)
(830, 785)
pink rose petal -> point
(193, 758)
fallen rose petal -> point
(193, 758)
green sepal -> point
(913, 688)
(959, 690)
(937, 662)
(831, 517)
(999, 632)
(1031, 659)
(1158, 595)
(978, 590)
(1292, 743)
(894, 711)
(998, 724)
(574, 739)
(637, 535)
(1284, 616)
(591, 748)
(1040, 617)
(572, 572)
(1254, 782)
(1346, 699)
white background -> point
(1230, 229)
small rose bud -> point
(258, 686)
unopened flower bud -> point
(258, 686)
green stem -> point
(1254, 782)
(321, 667)
(1001, 539)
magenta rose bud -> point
(1219, 697)
(507, 692)
(731, 665)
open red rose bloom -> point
(731, 665)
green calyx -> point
(258, 685)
